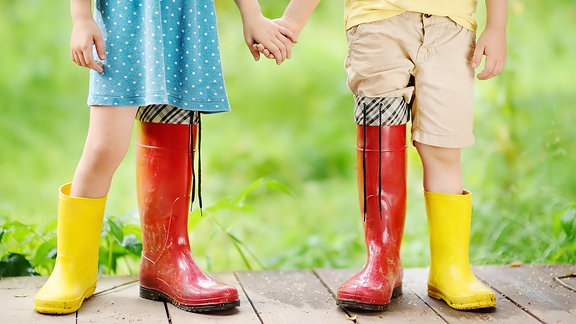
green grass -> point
(293, 123)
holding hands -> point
(274, 38)
(285, 25)
(264, 36)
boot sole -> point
(155, 295)
(352, 304)
(463, 306)
(62, 307)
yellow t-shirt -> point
(365, 11)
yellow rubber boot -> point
(450, 278)
(76, 270)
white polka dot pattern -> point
(159, 52)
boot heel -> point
(351, 304)
(154, 295)
(434, 294)
(90, 291)
(397, 292)
(151, 294)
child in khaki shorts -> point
(414, 57)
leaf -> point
(116, 230)
(16, 265)
(46, 251)
(275, 185)
(108, 259)
(239, 246)
(132, 245)
(194, 218)
(240, 199)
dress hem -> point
(195, 105)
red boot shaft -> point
(164, 174)
(381, 168)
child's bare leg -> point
(442, 169)
(80, 214)
(106, 145)
(449, 213)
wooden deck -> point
(526, 294)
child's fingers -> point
(288, 33)
(100, 48)
(288, 45)
(477, 56)
(91, 63)
(79, 59)
(255, 53)
(492, 68)
(259, 47)
(266, 52)
(281, 49)
(274, 51)
(488, 71)
(82, 54)
(263, 50)
(74, 57)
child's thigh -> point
(442, 111)
(379, 58)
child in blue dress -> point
(159, 61)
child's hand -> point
(263, 50)
(289, 25)
(284, 25)
(276, 39)
(492, 44)
(85, 34)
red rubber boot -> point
(164, 175)
(381, 167)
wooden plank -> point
(407, 308)
(526, 294)
(290, 297)
(17, 300)
(121, 305)
(530, 289)
(243, 314)
(565, 294)
(106, 283)
(504, 312)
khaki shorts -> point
(423, 61)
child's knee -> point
(438, 154)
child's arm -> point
(260, 30)
(296, 15)
(85, 34)
(492, 41)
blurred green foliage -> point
(293, 123)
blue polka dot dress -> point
(159, 52)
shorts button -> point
(427, 15)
